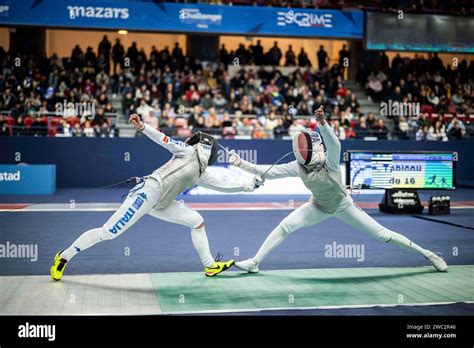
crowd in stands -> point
(176, 94)
(443, 95)
(56, 96)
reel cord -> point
(137, 180)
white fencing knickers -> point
(309, 214)
(140, 201)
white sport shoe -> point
(249, 265)
(438, 262)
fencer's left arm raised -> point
(333, 145)
(176, 147)
(212, 182)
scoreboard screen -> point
(401, 170)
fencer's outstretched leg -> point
(362, 221)
(180, 213)
(132, 209)
(306, 215)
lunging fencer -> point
(156, 197)
(320, 172)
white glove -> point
(258, 181)
(254, 183)
(320, 115)
(234, 159)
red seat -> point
(28, 121)
(72, 121)
(462, 118)
(55, 121)
(447, 118)
(10, 120)
(426, 108)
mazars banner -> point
(172, 17)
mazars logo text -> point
(97, 12)
(6, 176)
(37, 331)
(304, 19)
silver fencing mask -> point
(309, 150)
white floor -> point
(130, 294)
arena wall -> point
(96, 162)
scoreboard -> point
(401, 170)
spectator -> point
(323, 59)
(455, 132)
(403, 125)
(303, 59)
(380, 130)
(437, 132)
(290, 57)
(219, 102)
(274, 55)
(422, 134)
(257, 52)
(226, 121)
(224, 55)
(151, 119)
(280, 130)
(104, 48)
(118, 53)
(271, 123)
(207, 101)
(88, 130)
(177, 52)
(344, 58)
(456, 123)
(339, 131)
(295, 128)
(128, 105)
(362, 130)
(259, 132)
(132, 53)
(371, 120)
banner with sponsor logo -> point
(27, 179)
(173, 17)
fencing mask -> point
(308, 149)
(207, 145)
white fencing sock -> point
(273, 240)
(201, 244)
(85, 240)
(402, 241)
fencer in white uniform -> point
(156, 196)
(320, 172)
